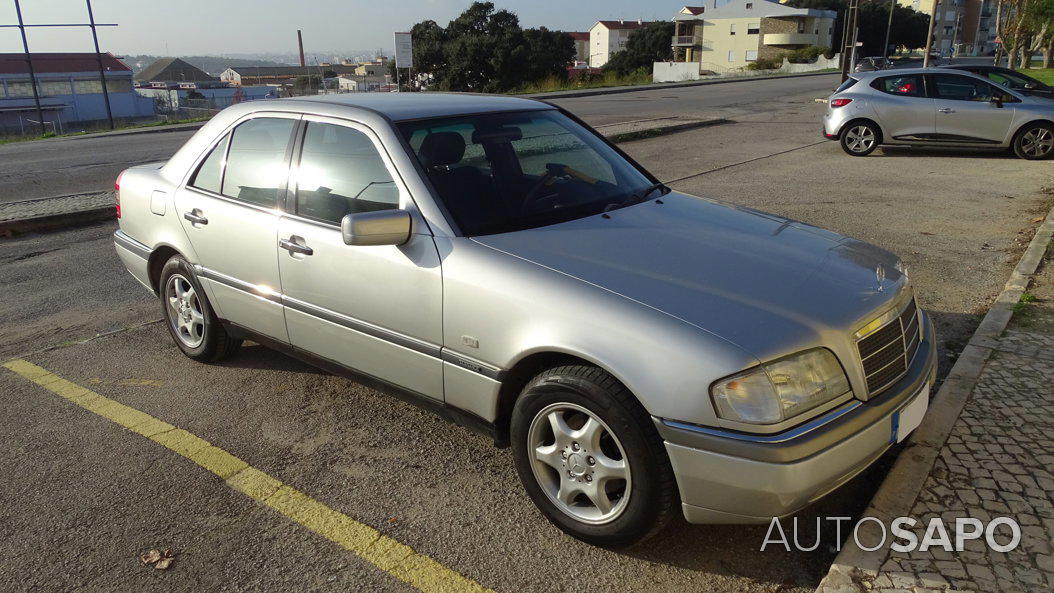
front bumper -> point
(723, 480)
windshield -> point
(502, 172)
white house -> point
(608, 37)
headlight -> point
(778, 390)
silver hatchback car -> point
(498, 262)
(937, 107)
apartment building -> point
(726, 37)
(961, 27)
(608, 37)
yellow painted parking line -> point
(387, 554)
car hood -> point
(766, 283)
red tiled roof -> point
(579, 36)
(624, 24)
(44, 63)
(695, 10)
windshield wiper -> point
(636, 197)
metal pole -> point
(102, 71)
(889, 28)
(32, 73)
(955, 32)
(844, 46)
(929, 35)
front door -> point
(904, 110)
(966, 113)
(228, 209)
(376, 309)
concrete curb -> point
(652, 132)
(573, 94)
(898, 491)
(62, 220)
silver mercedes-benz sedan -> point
(497, 261)
(937, 107)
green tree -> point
(646, 45)
(486, 50)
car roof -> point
(423, 105)
(899, 71)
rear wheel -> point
(189, 316)
(1035, 142)
(860, 138)
(590, 458)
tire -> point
(1034, 142)
(860, 138)
(189, 317)
(638, 500)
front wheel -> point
(860, 138)
(590, 458)
(1035, 142)
(189, 316)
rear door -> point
(965, 112)
(904, 110)
(229, 208)
(376, 309)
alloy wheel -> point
(185, 313)
(1037, 142)
(860, 138)
(579, 463)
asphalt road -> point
(82, 497)
(79, 165)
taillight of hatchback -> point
(117, 193)
(840, 102)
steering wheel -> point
(551, 171)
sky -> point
(197, 27)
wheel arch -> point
(857, 120)
(1017, 131)
(161, 254)
(520, 374)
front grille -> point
(887, 352)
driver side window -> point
(962, 88)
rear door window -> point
(906, 85)
(341, 172)
(256, 167)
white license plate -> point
(910, 416)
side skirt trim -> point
(449, 413)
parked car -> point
(498, 262)
(937, 107)
(1011, 79)
(873, 63)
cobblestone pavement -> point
(998, 461)
(28, 209)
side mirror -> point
(383, 227)
(997, 100)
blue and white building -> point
(70, 91)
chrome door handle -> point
(195, 218)
(946, 110)
(293, 247)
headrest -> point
(440, 149)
